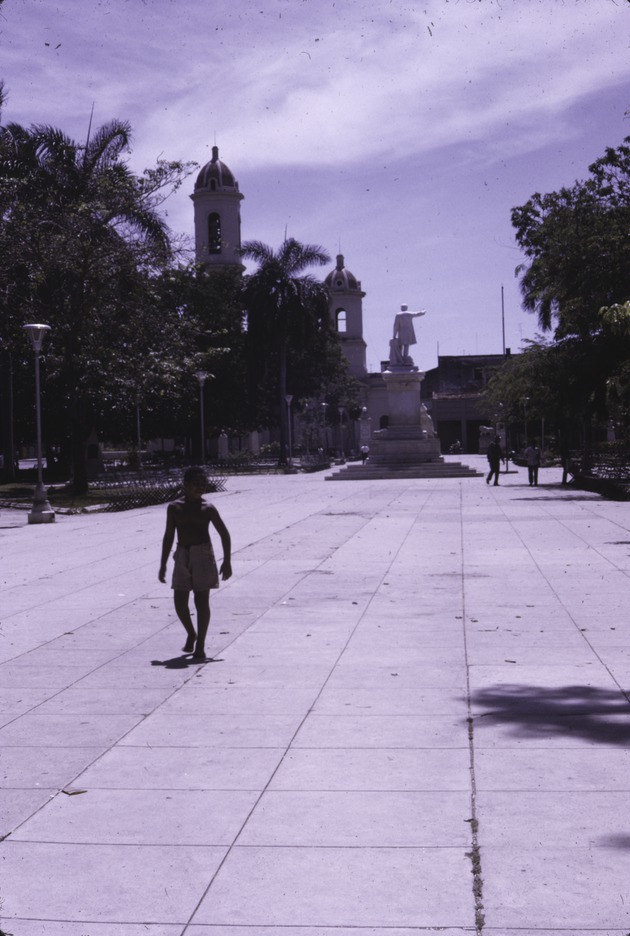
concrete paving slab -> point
(381, 731)
(584, 768)
(578, 678)
(36, 729)
(177, 768)
(356, 887)
(547, 888)
(20, 674)
(334, 931)
(80, 701)
(391, 700)
(61, 928)
(101, 882)
(40, 767)
(171, 672)
(246, 700)
(17, 700)
(219, 731)
(17, 805)
(51, 656)
(405, 674)
(374, 769)
(141, 817)
(563, 819)
(371, 819)
(261, 675)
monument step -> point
(389, 472)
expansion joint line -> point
(475, 853)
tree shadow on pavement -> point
(598, 716)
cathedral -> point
(217, 218)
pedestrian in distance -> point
(195, 567)
(532, 455)
(495, 457)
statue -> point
(395, 356)
(404, 333)
(426, 422)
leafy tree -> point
(81, 242)
(289, 338)
(208, 309)
(578, 249)
(577, 246)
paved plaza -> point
(416, 718)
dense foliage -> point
(85, 250)
(577, 280)
(290, 343)
(81, 242)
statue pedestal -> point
(406, 441)
(408, 448)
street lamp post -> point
(202, 377)
(341, 412)
(289, 398)
(41, 511)
(525, 401)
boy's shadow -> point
(183, 662)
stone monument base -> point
(408, 448)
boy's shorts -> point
(195, 568)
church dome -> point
(341, 278)
(215, 176)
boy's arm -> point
(167, 542)
(226, 543)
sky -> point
(400, 134)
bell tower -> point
(217, 202)
(346, 313)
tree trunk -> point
(79, 447)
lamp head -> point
(37, 333)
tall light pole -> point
(341, 412)
(324, 433)
(138, 432)
(202, 377)
(289, 398)
(41, 511)
(525, 401)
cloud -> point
(372, 86)
(287, 87)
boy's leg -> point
(182, 610)
(202, 604)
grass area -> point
(58, 496)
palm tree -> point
(285, 308)
(79, 234)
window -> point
(341, 321)
(214, 233)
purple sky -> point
(404, 132)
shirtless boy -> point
(195, 568)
